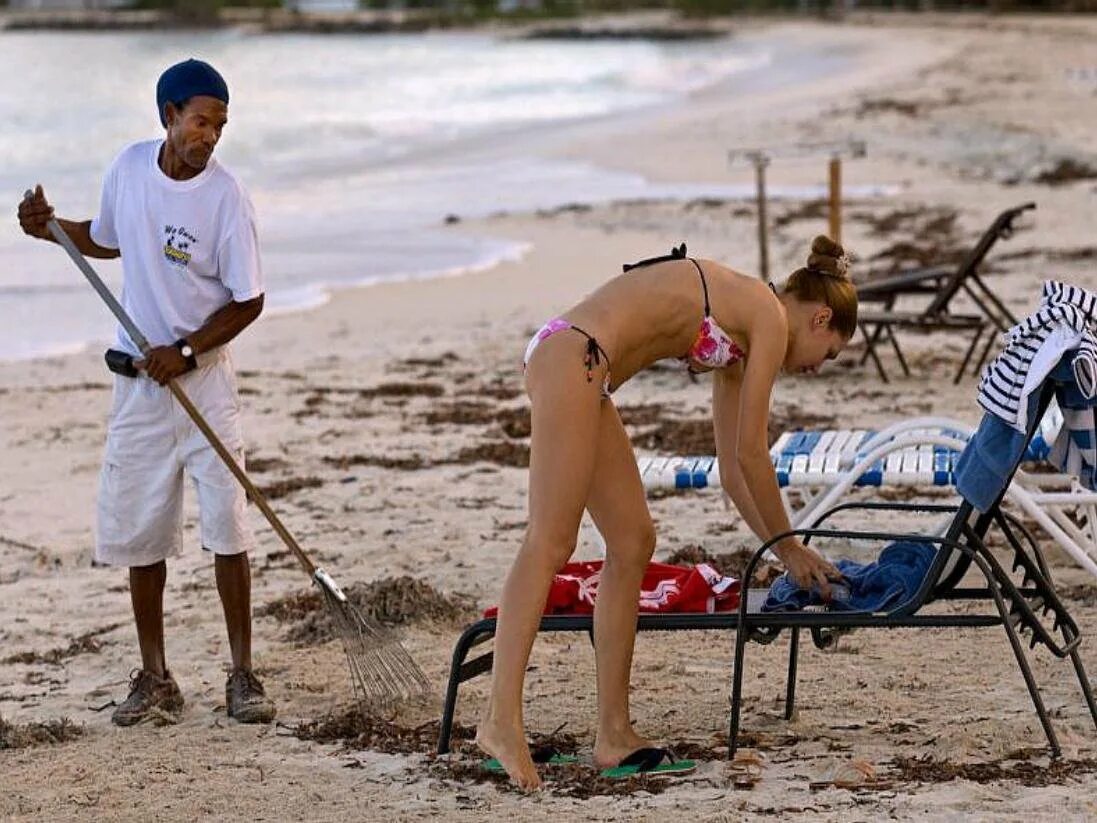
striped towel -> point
(1075, 450)
(1065, 320)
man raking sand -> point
(185, 230)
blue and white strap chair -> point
(816, 469)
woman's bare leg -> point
(619, 509)
(566, 410)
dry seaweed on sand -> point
(731, 564)
(515, 423)
(412, 462)
(289, 485)
(259, 465)
(461, 413)
(673, 436)
(86, 643)
(1066, 170)
(403, 390)
(500, 452)
(1014, 767)
(444, 359)
(1082, 593)
(25, 735)
(355, 730)
(391, 601)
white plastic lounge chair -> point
(816, 469)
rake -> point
(382, 671)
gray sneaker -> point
(148, 694)
(246, 700)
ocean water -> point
(354, 149)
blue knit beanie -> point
(188, 79)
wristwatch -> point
(187, 351)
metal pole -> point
(761, 160)
(836, 198)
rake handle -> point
(143, 344)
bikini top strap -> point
(704, 285)
(676, 253)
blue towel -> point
(993, 451)
(892, 579)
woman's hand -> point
(807, 567)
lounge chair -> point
(1016, 608)
(1032, 606)
(816, 469)
(941, 285)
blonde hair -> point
(825, 279)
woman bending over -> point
(713, 319)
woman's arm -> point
(725, 422)
(768, 340)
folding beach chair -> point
(1031, 605)
(942, 286)
(816, 469)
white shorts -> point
(150, 442)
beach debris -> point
(25, 735)
(908, 108)
(391, 601)
(1018, 766)
(806, 210)
(260, 465)
(844, 774)
(499, 452)
(671, 435)
(446, 358)
(675, 436)
(156, 716)
(411, 462)
(625, 29)
(19, 544)
(499, 389)
(745, 769)
(356, 731)
(514, 422)
(461, 413)
(86, 643)
(644, 414)
(730, 564)
(289, 485)
(1066, 170)
(403, 390)
(1080, 593)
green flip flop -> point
(649, 761)
(542, 756)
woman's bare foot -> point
(507, 744)
(611, 748)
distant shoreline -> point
(632, 26)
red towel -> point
(664, 589)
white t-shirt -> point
(188, 246)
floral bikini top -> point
(713, 348)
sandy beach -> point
(390, 429)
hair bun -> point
(828, 258)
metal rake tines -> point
(382, 671)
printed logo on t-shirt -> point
(177, 240)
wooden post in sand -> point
(835, 189)
(761, 158)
